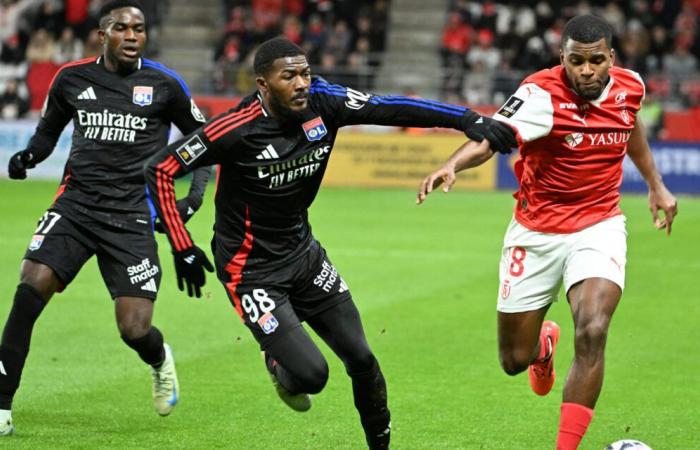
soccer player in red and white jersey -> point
(574, 123)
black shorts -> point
(272, 302)
(67, 235)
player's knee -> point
(360, 361)
(133, 327)
(40, 278)
(591, 335)
(514, 362)
(314, 377)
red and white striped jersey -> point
(571, 149)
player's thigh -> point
(598, 251)
(262, 303)
(129, 263)
(317, 284)
(530, 270)
(61, 243)
(341, 329)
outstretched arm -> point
(660, 198)
(350, 107)
(470, 154)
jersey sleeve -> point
(346, 106)
(529, 111)
(182, 108)
(55, 115)
(194, 151)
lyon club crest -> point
(268, 323)
(314, 129)
(143, 95)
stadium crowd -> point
(487, 45)
(344, 39)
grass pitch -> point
(425, 280)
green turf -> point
(425, 280)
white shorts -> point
(533, 264)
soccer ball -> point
(628, 444)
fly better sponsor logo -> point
(287, 171)
(142, 271)
(109, 126)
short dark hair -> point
(107, 8)
(273, 49)
(587, 29)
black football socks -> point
(149, 347)
(26, 308)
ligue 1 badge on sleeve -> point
(143, 95)
(314, 129)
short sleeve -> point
(529, 111)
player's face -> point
(587, 66)
(286, 86)
(123, 38)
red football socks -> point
(573, 424)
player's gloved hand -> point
(189, 269)
(185, 207)
(500, 136)
(19, 163)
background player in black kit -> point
(122, 107)
(273, 149)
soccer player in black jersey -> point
(273, 149)
(122, 106)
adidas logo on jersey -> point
(87, 94)
(268, 153)
(150, 286)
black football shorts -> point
(273, 302)
(67, 235)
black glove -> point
(186, 210)
(500, 136)
(189, 267)
(19, 163)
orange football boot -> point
(541, 373)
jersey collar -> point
(138, 66)
(604, 94)
(262, 105)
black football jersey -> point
(270, 170)
(120, 121)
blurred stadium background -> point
(424, 278)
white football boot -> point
(166, 390)
(6, 426)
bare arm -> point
(470, 154)
(660, 198)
